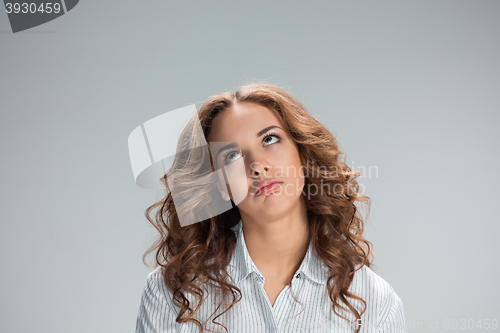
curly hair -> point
(197, 255)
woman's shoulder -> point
(156, 311)
(156, 287)
(155, 276)
(365, 278)
(383, 299)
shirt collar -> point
(242, 264)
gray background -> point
(409, 88)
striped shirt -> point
(254, 312)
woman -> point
(290, 255)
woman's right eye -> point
(230, 153)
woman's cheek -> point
(288, 189)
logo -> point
(175, 142)
(31, 13)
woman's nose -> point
(258, 168)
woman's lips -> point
(268, 189)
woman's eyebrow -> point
(261, 132)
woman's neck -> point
(278, 246)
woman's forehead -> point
(241, 120)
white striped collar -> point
(242, 264)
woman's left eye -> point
(265, 140)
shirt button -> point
(297, 276)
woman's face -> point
(264, 151)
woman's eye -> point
(271, 141)
(229, 157)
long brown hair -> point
(197, 255)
